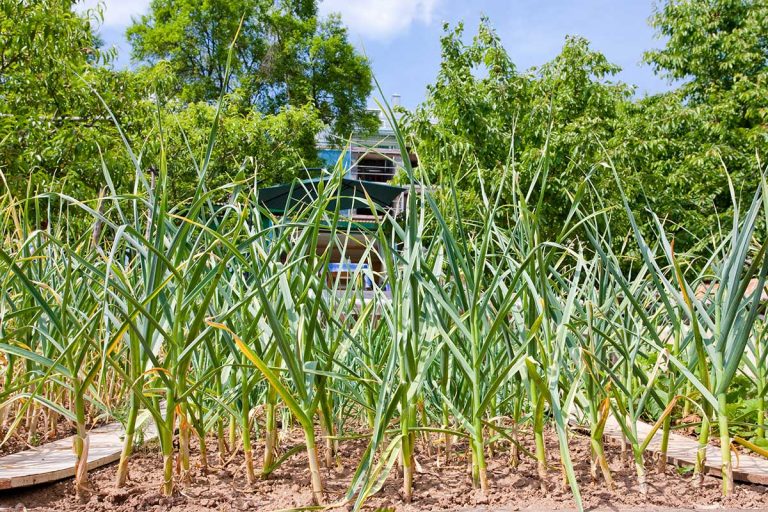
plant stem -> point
(760, 424)
(130, 431)
(80, 445)
(270, 432)
(167, 488)
(600, 460)
(701, 454)
(245, 427)
(314, 468)
(221, 441)
(662, 464)
(479, 472)
(538, 437)
(725, 446)
(203, 452)
(185, 432)
(640, 468)
(407, 452)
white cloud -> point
(369, 19)
(117, 13)
(381, 19)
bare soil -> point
(437, 487)
(20, 439)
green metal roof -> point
(351, 194)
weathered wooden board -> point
(56, 460)
(681, 451)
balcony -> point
(381, 172)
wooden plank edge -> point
(738, 474)
(17, 482)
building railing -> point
(377, 173)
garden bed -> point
(19, 440)
(443, 487)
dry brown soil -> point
(19, 439)
(437, 487)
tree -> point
(58, 100)
(575, 110)
(55, 131)
(481, 108)
(464, 127)
(673, 152)
(713, 46)
(283, 55)
(46, 115)
(271, 149)
(715, 121)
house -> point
(353, 248)
(370, 158)
(370, 163)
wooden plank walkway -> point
(681, 451)
(56, 460)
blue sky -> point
(402, 37)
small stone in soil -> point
(117, 498)
(152, 499)
(239, 504)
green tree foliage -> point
(718, 116)
(482, 113)
(284, 55)
(295, 73)
(715, 46)
(575, 108)
(50, 121)
(673, 151)
(59, 96)
(267, 148)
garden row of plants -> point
(195, 315)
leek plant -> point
(54, 325)
(475, 310)
(729, 317)
(215, 315)
(721, 322)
